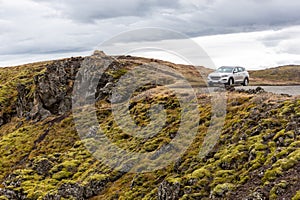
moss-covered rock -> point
(42, 156)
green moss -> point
(221, 189)
(295, 144)
(295, 155)
(296, 196)
(272, 174)
(31, 184)
(116, 74)
(225, 173)
(274, 191)
(287, 109)
(199, 195)
(200, 173)
(61, 175)
(13, 76)
(287, 164)
(279, 134)
(69, 165)
(151, 195)
(16, 146)
(97, 177)
(174, 180)
(244, 179)
(260, 147)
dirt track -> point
(291, 90)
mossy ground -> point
(258, 149)
(248, 148)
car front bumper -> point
(219, 81)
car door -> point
(236, 74)
(241, 74)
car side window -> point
(235, 70)
(241, 69)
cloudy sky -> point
(252, 33)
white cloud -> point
(251, 49)
(36, 28)
(242, 49)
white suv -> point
(229, 76)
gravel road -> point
(291, 90)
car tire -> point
(245, 82)
(230, 81)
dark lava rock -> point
(52, 91)
(230, 88)
(52, 196)
(256, 196)
(257, 90)
(72, 190)
(169, 191)
(69, 190)
(10, 194)
(43, 166)
(291, 126)
(1, 121)
(94, 187)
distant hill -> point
(283, 75)
(256, 154)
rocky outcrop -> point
(169, 191)
(53, 89)
(24, 102)
(257, 90)
(51, 92)
(67, 190)
(43, 166)
(76, 191)
(10, 194)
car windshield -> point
(225, 69)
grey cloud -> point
(224, 16)
(40, 26)
(193, 17)
(273, 40)
(285, 41)
(92, 10)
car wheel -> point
(246, 82)
(230, 81)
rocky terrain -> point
(42, 156)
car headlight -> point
(223, 76)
